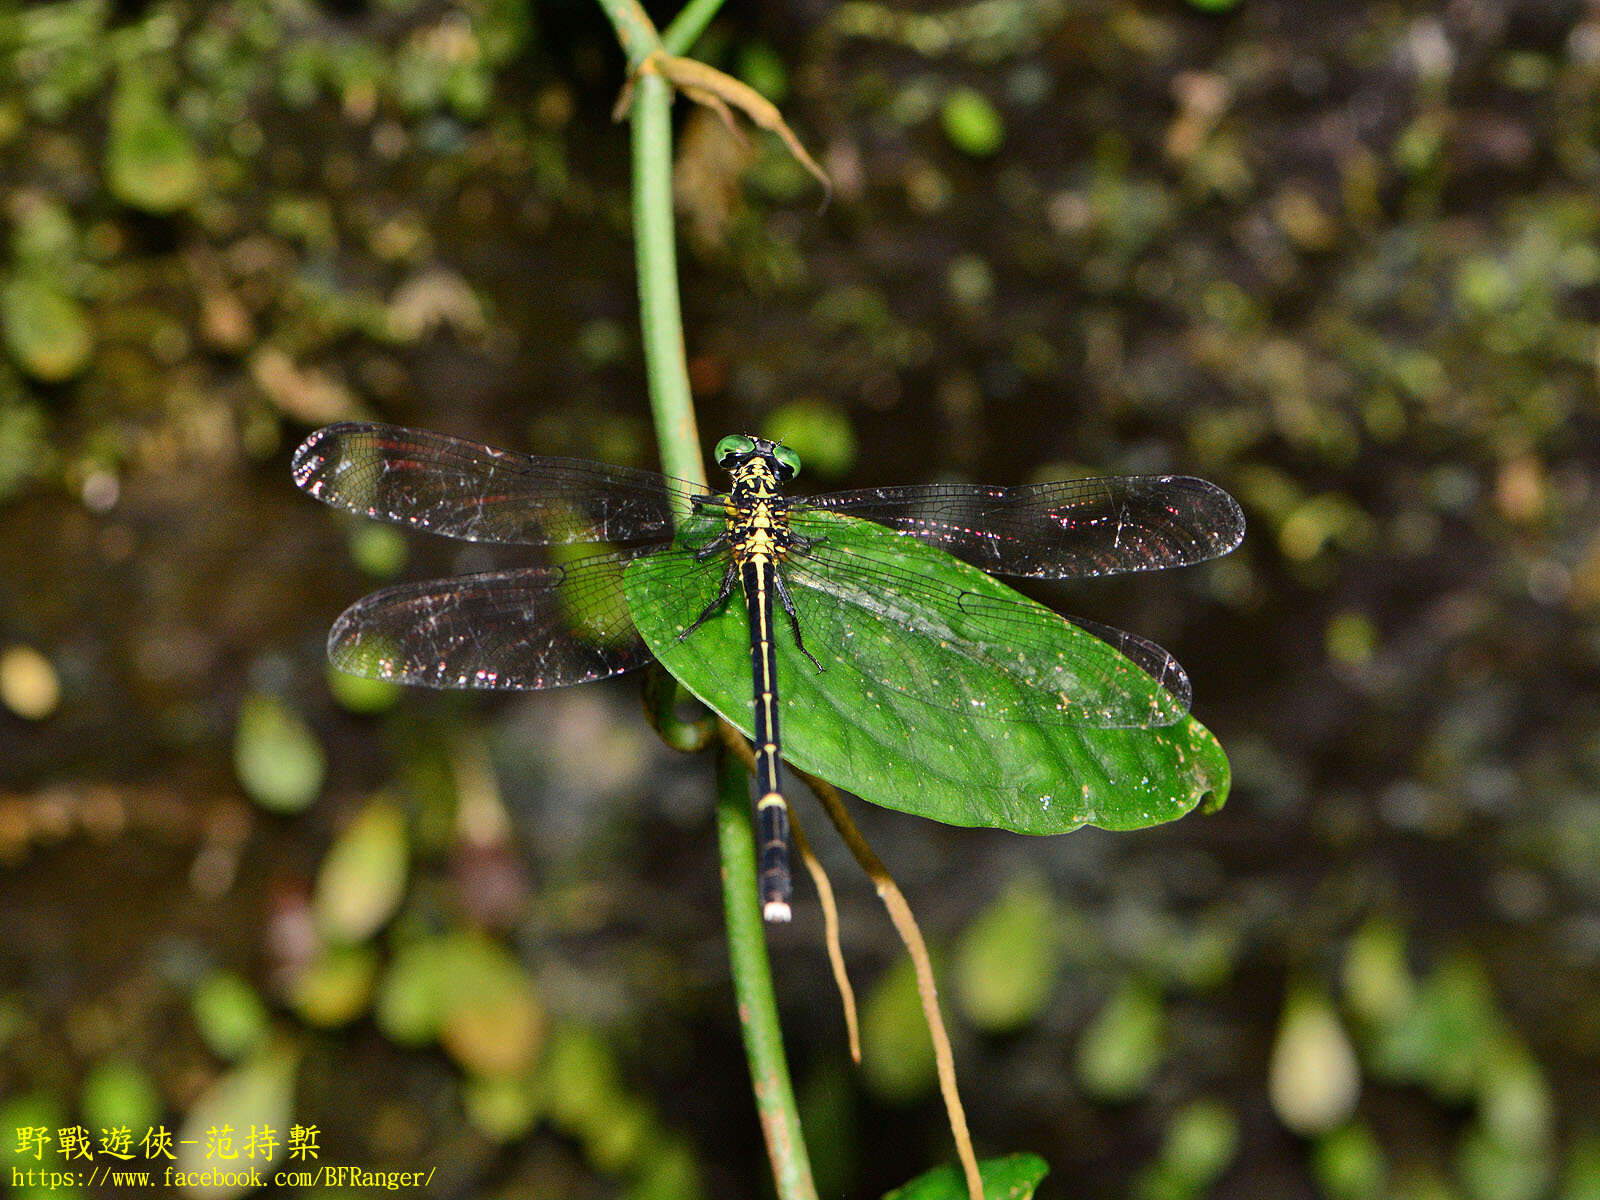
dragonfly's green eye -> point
(734, 446)
(788, 460)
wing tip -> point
(313, 454)
(1224, 523)
(1231, 531)
(308, 459)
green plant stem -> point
(662, 695)
(688, 25)
(655, 245)
(656, 251)
(636, 33)
(666, 365)
(752, 986)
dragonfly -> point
(567, 621)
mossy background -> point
(1339, 258)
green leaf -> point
(1348, 1163)
(1445, 1036)
(28, 1122)
(1201, 1142)
(818, 431)
(362, 878)
(1491, 1169)
(229, 1014)
(1514, 1100)
(407, 1007)
(46, 331)
(334, 988)
(279, 762)
(973, 125)
(117, 1091)
(668, 1173)
(583, 1077)
(763, 69)
(1377, 982)
(1030, 772)
(26, 452)
(225, 1123)
(360, 695)
(468, 992)
(502, 1107)
(1014, 1177)
(1006, 961)
(1123, 1047)
(897, 1060)
(151, 163)
(1580, 1177)
(379, 550)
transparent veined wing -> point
(533, 628)
(901, 626)
(1074, 529)
(464, 490)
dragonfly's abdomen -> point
(772, 813)
(758, 535)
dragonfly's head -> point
(735, 450)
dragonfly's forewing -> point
(539, 627)
(464, 490)
(1071, 530)
(908, 629)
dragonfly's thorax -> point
(757, 514)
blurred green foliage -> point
(227, 1119)
(896, 1053)
(972, 124)
(278, 759)
(1005, 964)
(362, 878)
(229, 1015)
(1123, 1047)
(1199, 1145)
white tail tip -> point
(776, 910)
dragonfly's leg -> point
(794, 621)
(719, 543)
(712, 548)
(722, 598)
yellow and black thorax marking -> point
(757, 515)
